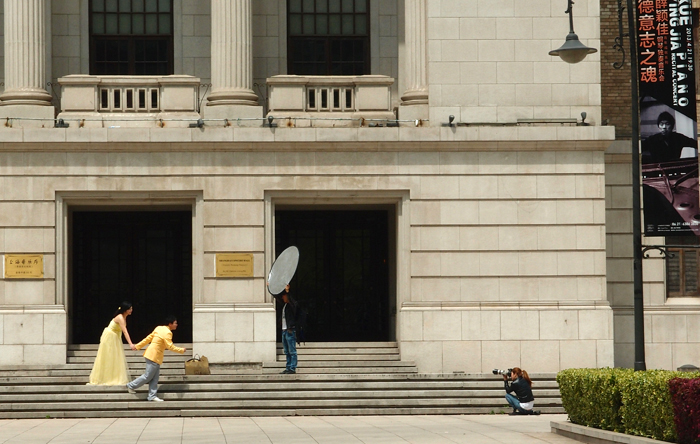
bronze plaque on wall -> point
(24, 266)
(234, 265)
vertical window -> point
(131, 37)
(682, 269)
(328, 37)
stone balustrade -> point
(330, 101)
(129, 101)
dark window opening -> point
(682, 269)
(328, 37)
(131, 37)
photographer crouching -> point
(523, 401)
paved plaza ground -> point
(429, 429)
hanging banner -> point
(668, 129)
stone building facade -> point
(443, 190)
(671, 318)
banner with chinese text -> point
(668, 127)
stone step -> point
(486, 380)
(364, 347)
(345, 357)
(174, 368)
(130, 359)
(298, 382)
(544, 397)
(243, 395)
(74, 347)
(344, 370)
(328, 357)
(280, 357)
(81, 376)
(137, 402)
(347, 345)
(127, 351)
(87, 366)
(274, 381)
(333, 379)
(304, 350)
(190, 412)
(334, 364)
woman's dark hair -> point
(170, 319)
(522, 374)
(122, 308)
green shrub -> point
(647, 409)
(592, 397)
(622, 400)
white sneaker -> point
(130, 390)
(157, 399)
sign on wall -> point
(668, 127)
(24, 266)
(234, 265)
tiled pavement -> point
(437, 429)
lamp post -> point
(574, 51)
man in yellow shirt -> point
(160, 339)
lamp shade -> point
(572, 51)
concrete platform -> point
(438, 429)
(590, 435)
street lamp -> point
(574, 51)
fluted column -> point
(416, 59)
(231, 53)
(25, 53)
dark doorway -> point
(343, 273)
(144, 257)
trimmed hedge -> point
(635, 403)
(647, 409)
(685, 394)
(592, 397)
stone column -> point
(25, 63)
(232, 61)
(414, 100)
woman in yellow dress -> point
(110, 366)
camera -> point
(503, 372)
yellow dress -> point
(110, 366)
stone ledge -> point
(596, 436)
(509, 139)
(319, 146)
(505, 305)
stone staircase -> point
(332, 379)
(345, 358)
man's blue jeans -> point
(513, 401)
(150, 376)
(289, 344)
